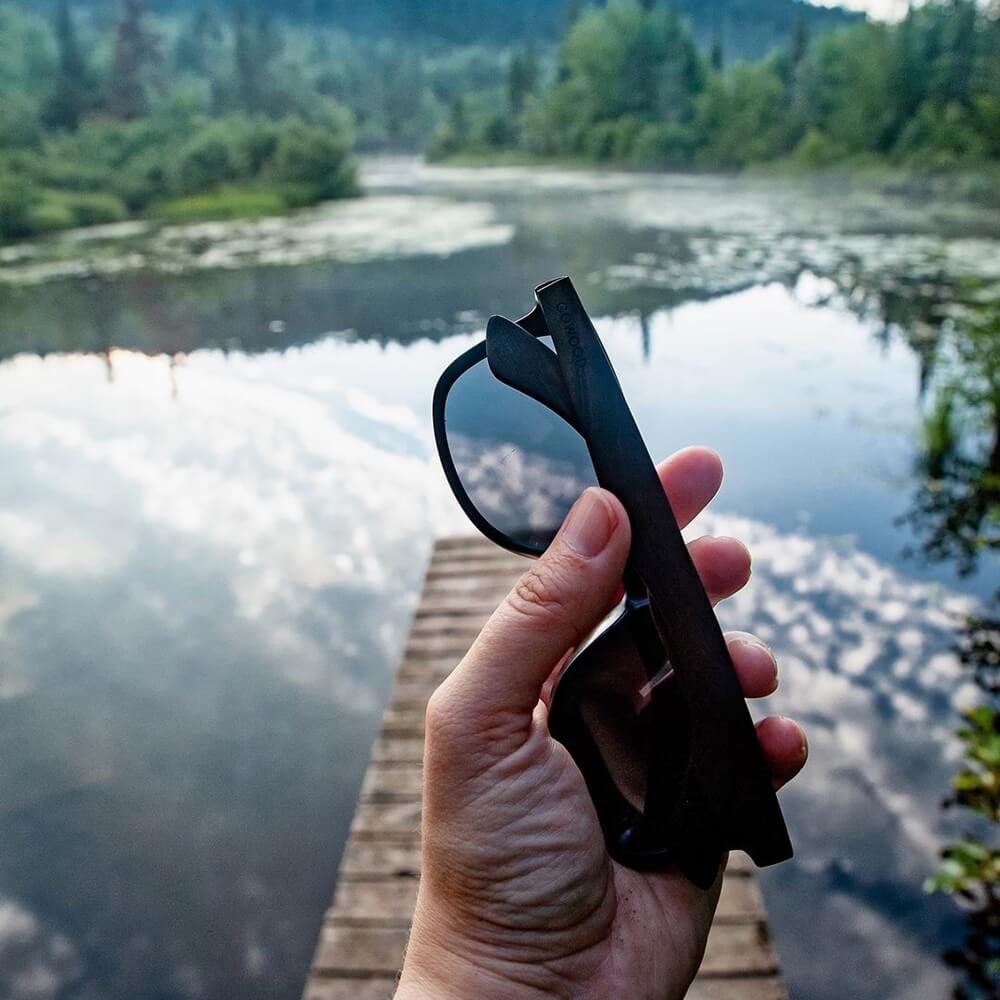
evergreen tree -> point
(136, 58)
(955, 75)
(716, 56)
(192, 53)
(71, 96)
(522, 78)
(247, 69)
(800, 41)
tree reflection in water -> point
(956, 511)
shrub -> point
(95, 208)
(941, 137)
(611, 141)
(19, 198)
(227, 203)
(212, 156)
(316, 156)
(49, 216)
(817, 149)
(444, 143)
(665, 145)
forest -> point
(111, 109)
(632, 87)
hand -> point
(518, 896)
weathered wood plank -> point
(741, 988)
(368, 859)
(741, 899)
(387, 820)
(379, 901)
(434, 607)
(363, 937)
(381, 988)
(375, 951)
(398, 750)
(739, 949)
(392, 781)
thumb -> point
(551, 609)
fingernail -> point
(803, 742)
(590, 524)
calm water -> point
(219, 491)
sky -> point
(884, 9)
(888, 10)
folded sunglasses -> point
(650, 707)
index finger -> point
(691, 478)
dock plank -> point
(363, 936)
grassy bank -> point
(178, 167)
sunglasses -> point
(650, 707)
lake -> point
(218, 497)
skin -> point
(518, 896)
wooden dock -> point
(364, 933)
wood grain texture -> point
(363, 935)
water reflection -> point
(208, 555)
(192, 591)
(957, 514)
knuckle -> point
(538, 594)
(543, 597)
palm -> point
(605, 928)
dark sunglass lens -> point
(520, 464)
(602, 697)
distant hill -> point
(746, 28)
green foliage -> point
(958, 515)
(743, 115)
(942, 136)
(316, 157)
(212, 156)
(627, 60)
(977, 786)
(845, 88)
(107, 170)
(229, 202)
(136, 58)
(632, 88)
(151, 110)
(88, 208)
(666, 145)
(19, 198)
(816, 150)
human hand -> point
(518, 897)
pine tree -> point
(716, 56)
(136, 57)
(194, 43)
(245, 62)
(522, 77)
(71, 96)
(800, 40)
(961, 52)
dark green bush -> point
(212, 156)
(19, 198)
(316, 156)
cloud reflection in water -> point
(203, 599)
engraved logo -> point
(569, 326)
